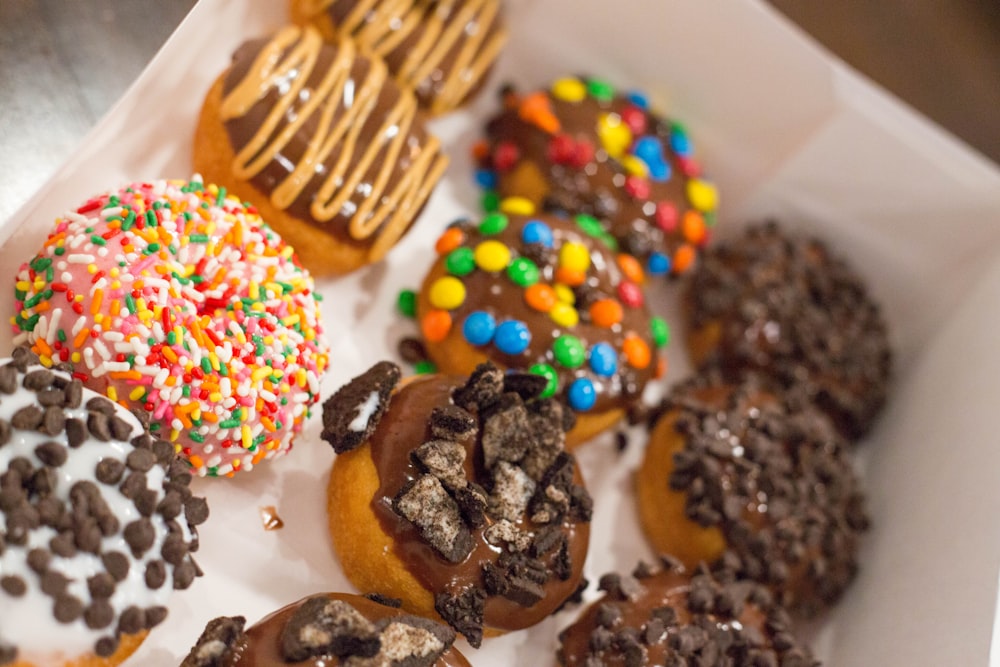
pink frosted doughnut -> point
(171, 297)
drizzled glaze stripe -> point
(455, 40)
(171, 297)
(285, 65)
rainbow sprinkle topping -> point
(171, 297)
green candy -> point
(590, 225)
(491, 201)
(550, 375)
(660, 330)
(601, 90)
(407, 302)
(460, 261)
(494, 223)
(569, 351)
(424, 367)
(523, 272)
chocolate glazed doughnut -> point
(669, 617)
(333, 153)
(455, 495)
(325, 631)
(546, 295)
(442, 49)
(582, 147)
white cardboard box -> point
(786, 131)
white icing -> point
(365, 412)
(27, 621)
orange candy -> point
(606, 313)
(540, 297)
(480, 150)
(661, 367)
(636, 352)
(631, 268)
(435, 325)
(571, 277)
(451, 239)
(536, 109)
(693, 226)
(684, 258)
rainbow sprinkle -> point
(172, 297)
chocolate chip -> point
(97, 425)
(76, 432)
(87, 535)
(171, 506)
(464, 612)
(220, 636)
(43, 483)
(73, 393)
(352, 413)
(411, 350)
(101, 405)
(99, 614)
(38, 560)
(52, 420)
(5, 432)
(51, 453)
(155, 616)
(174, 549)
(184, 574)
(101, 585)
(67, 608)
(139, 535)
(146, 501)
(63, 544)
(53, 583)
(120, 429)
(8, 379)
(141, 460)
(133, 484)
(105, 647)
(13, 585)
(321, 626)
(38, 379)
(27, 418)
(164, 452)
(156, 574)
(196, 510)
(425, 503)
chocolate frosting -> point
(494, 292)
(440, 48)
(550, 149)
(403, 429)
(669, 618)
(787, 307)
(322, 131)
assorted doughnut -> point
(332, 152)
(328, 630)
(457, 496)
(97, 522)
(547, 295)
(173, 333)
(175, 298)
(583, 146)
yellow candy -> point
(492, 256)
(564, 294)
(564, 315)
(574, 256)
(634, 166)
(614, 134)
(447, 293)
(569, 90)
(517, 206)
(702, 195)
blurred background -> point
(63, 63)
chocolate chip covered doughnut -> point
(325, 631)
(456, 496)
(581, 146)
(322, 141)
(96, 523)
(442, 49)
(783, 305)
(755, 479)
(547, 295)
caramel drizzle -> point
(285, 65)
(382, 25)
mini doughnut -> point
(546, 295)
(331, 151)
(740, 474)
(327, 630)
(174, 298)
(456, 496)
(442, 49)
(786, 306)
(583, 147)
(667, 617)
(97, 523)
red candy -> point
(666, 216)
(637, 187)
(630, 294)
(505, 156)
(635, 119)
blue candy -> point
(486, 179)
(603, 359)
(658, 264)
(536, 231)
(512, 337)
(650, 150)
(639, 99)
(479, 327)
(581, 395)
(680, 143)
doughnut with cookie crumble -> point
(175, 298)
(327, 630)
(757, 479)
(332, 152)
(442, 49)
(456, 496)
(546, 295)
(97, 523)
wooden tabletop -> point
(63, 63)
